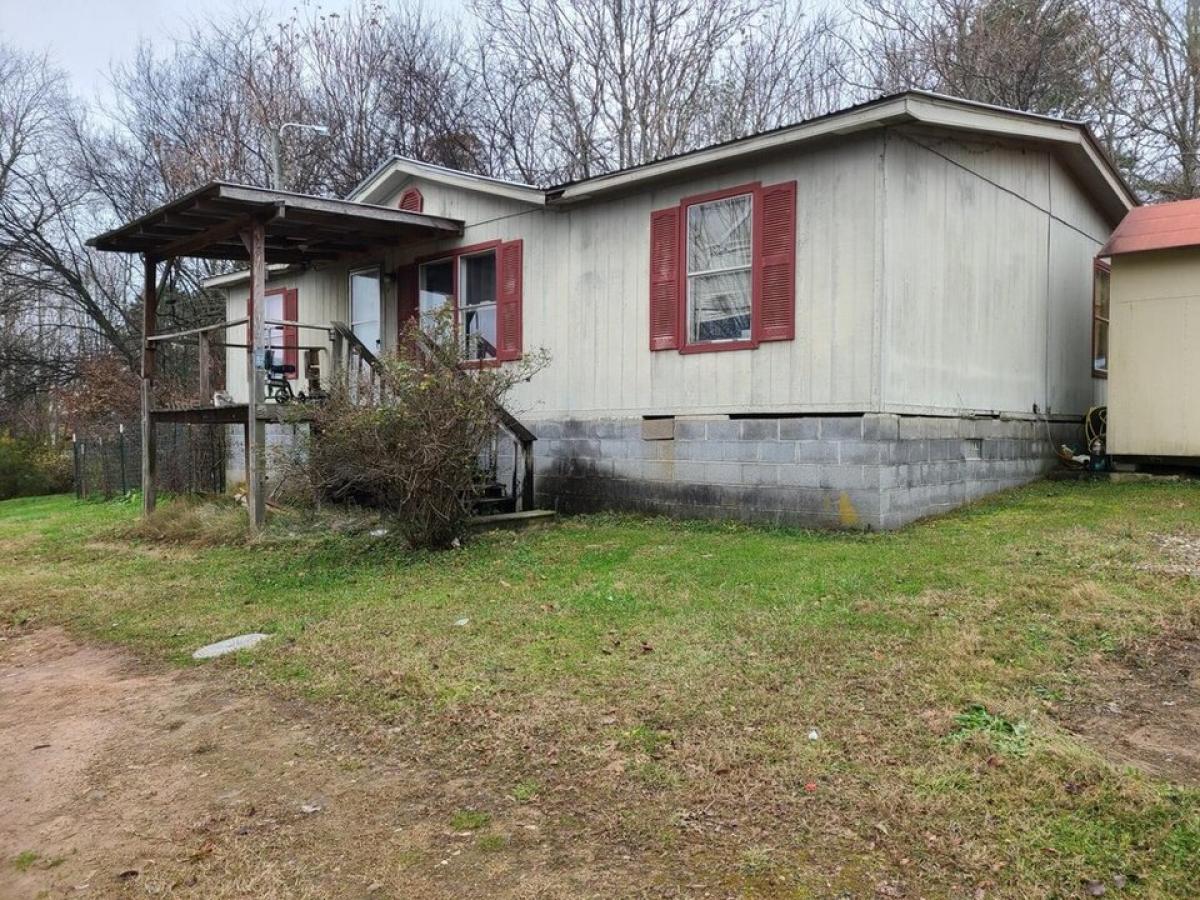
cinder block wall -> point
(857, 471)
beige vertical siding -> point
(927, 281)
(988, 255)
(1154, 333)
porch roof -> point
(299, 228)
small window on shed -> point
(1100, 302)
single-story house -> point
(857, 320)
(1148, 333)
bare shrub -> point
(409, 441)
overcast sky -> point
(85, 36)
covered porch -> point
(260, 227)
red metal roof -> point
(1161, 226)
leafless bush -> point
(409, 442)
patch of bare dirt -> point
(1145, 710)
(118, 779)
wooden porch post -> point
(149, 325)
(256, 433)
(205, 370)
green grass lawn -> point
(654, 684)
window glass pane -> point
(478, 279)
(273, 309)
(719, 306)
(718, 234)
(1100, 354)
(477, 306)
(437, 285)
(364, 306)
(477, 325)
(1102, 289)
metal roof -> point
(1077, 147)
(207, 222)
(1161, 226)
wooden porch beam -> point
(217, 234)
(176, 335)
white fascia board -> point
(980, 118)
(926, 108)
(392, 174)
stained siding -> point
(987, 295)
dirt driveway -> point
(117, 779)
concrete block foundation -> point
(873, 471)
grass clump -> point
(645, 739)
(1004, 736)
(491, 843)
(469, 820)
(24, 860)
(192, 522)
(525, 791)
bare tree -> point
(1035, 55)
(58, 301)
(385, 80)
(578, 87)
(1150, 92)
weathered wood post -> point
(256, 433)
(205, 370)
(527, 492)
(149, 324)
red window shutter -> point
(775, 318)
(407, 298)
(509, 301)
(291, 334)
(664, 279)
(412, 200)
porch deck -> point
(234, 414)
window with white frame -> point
(719, 250)
(477, 305)
(1100, 294)
(273, 312)
(468, 284)
(365, 307)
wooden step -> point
(514, 520)
(492, 506)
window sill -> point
(1100, 373)
(481, 363)
(719, 346)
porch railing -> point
(348, 349)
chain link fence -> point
(191, 460)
